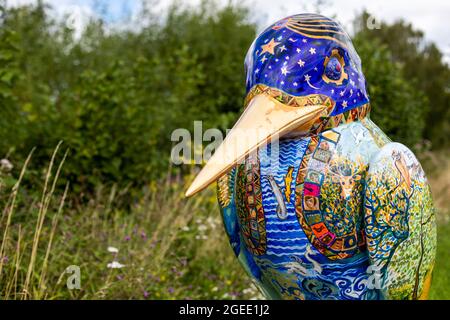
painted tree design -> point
(399, 222)
(343, 214)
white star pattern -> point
(284, 71)
(342, 93)
(312, 50)
(263, 59)
(295, 84)
(305, 41)
(256, 71)
(282, 48)
(301, 63)
(298, 50)
(344, 103)
(292, 40)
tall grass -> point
(163, 247)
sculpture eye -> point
(333, 69)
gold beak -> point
(265, 119)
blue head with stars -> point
(303, 77)
(308, 54)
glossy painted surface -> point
(335, 210)
(292, 55)
(320, 250)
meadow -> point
(163, 247)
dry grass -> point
(167, 247)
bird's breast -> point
(299, 204)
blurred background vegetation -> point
(114, 96)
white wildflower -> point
(247, 291)
(185, 228)
(6, 165)
(113, 250)
(202, 227)
(212, 222)
(115, 265)
(215, 289)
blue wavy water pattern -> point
(287, 244)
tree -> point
(422, 66)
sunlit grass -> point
(440, 288)
(437, 166)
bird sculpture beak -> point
(265, 119)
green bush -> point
(114, 96)
(114, 99)
(397, 106)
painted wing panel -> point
(226, 197)
(399, 224)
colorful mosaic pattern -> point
(321, 218)
(249, 206)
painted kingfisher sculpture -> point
(317, 201)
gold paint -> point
(307, 28)
(344, 75)
(269, 47)
(331, 135)
(291, 26)
(223, 190)
(287, 183)
(426, 286)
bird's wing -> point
(399, 226)
(226, 195)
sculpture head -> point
(302, 74)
